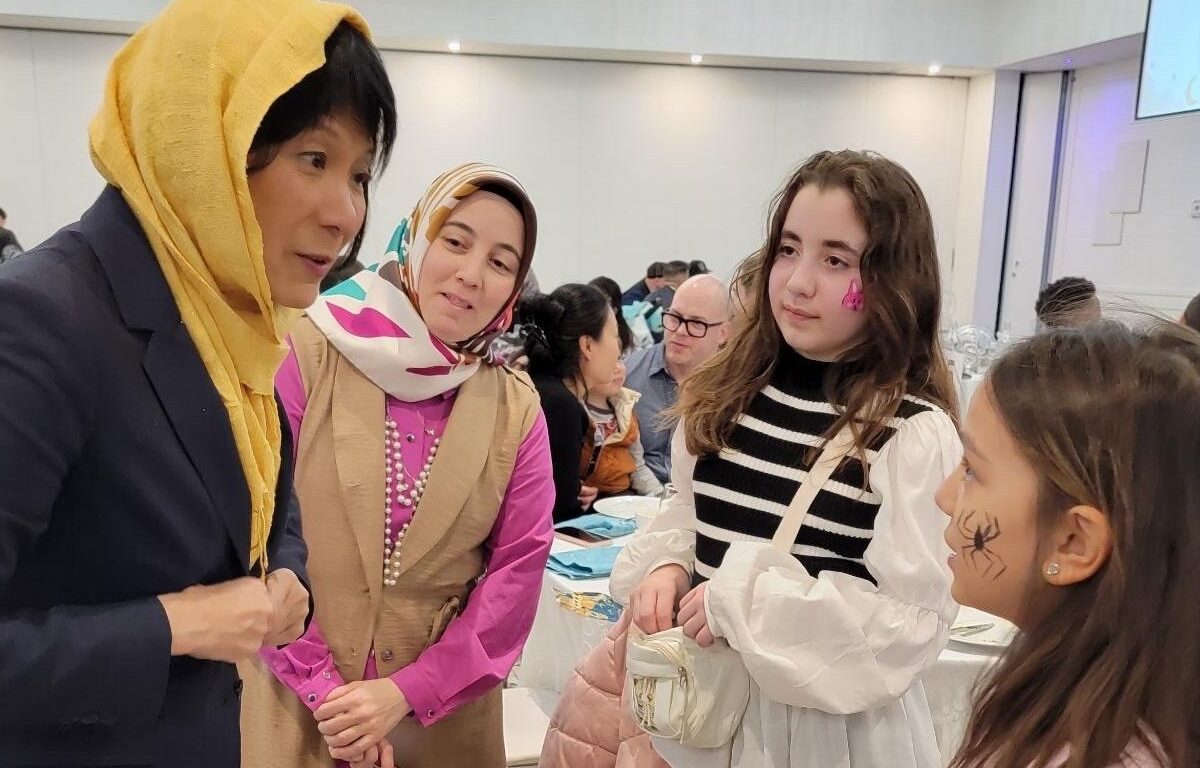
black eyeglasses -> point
(697, 329)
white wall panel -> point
(627, 163)
(1157, 262)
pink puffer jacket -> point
(592, 727)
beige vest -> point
(339, 482)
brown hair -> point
(742, 286)
(1109, 417)
(900, 354)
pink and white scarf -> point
(374, 318)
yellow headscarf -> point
(183, 101)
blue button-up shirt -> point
(647, 374)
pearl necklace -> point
(408, 495)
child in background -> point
(613, 461)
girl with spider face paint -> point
(992, 503)
(1075, 515)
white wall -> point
(973, 284)
(1157, 262)
(626, 163)
(1032, 201)
(52, 82)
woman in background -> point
(572, 343)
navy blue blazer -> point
(119, 481)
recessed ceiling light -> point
(454, 46)
(934, 68)
(697, 58)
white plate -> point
(994, 638)
(626, 507)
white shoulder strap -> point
(789, 527)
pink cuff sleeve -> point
(420, 691)
(305, 666)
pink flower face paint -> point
(853, 300)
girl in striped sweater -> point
(843, 329)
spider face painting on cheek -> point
(980, 530)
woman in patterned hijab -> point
(419, 615)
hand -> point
(368, 759)
(223, 622)
(587, 495)
(694, 619)
(377, 756)
(653, 601)
(289, 603)
(357, 716)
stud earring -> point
(1053, 569)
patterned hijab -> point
(374, 319)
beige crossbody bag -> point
(695, 695)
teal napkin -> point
(601, 525)
(591, 563)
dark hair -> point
(344, 271)
(901, 353)
(613, 292)
(352, 80)
(1109, 418)
(655, 269)
(697, 267)
(675, 269)
(554, 324)
(1058, 299)
(3, 215)
(508, 194)
(1191, 315)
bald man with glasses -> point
(694, 328)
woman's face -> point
(598, 357)
(817, 271)
(470, 270)
(310, 202)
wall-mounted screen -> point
(1170, 78)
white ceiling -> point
(967, 37)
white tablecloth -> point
(561, 638)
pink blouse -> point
(480, 646)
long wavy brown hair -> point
(900, 353)
(1109, 417)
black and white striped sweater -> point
(742, 492)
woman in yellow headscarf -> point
(148, 535)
